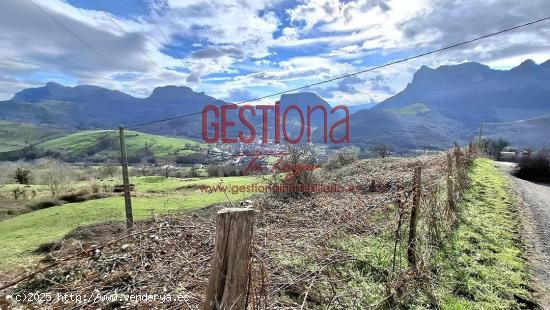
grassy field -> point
(22, 234)
(413, 109)
(479, 265)
(14, 136)
(482, 265)
(136, 144)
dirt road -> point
(535, 208)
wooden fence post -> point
(126, 181)
(459, 168)
(229, 274)
(450, 189)
(411, 249)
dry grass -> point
(329, 250)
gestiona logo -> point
(215, 120)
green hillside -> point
(15, 136)
(21, 235)
(414, 109)
(138, 145)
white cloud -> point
(32, 42)
(357, 29)
(316, 11)
(366, 23)
(234, 36)
(9, 86)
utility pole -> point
(125, 180)
(479, 138)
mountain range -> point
(448, 104)
(439, 106)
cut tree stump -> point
(229, 274)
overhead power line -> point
(154, 23)
(89, 144)
(168, 45)
(117, 25)
(277, 93)
(65, 155)
(363, 71)
(72, 33)
(46, 138)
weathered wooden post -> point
(479, 138)
(450, 189)
(229, 274)
(411, 249)
(459, 168)
(125, 181)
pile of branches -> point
(297, 260)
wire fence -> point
(306, 252)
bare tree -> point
(294, 172)
(382, 150)
(168, 164)
(57, 177)
(194, 172)
(110, 169)
(143, 167)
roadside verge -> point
(482, 265)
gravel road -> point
(534, 206)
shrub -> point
(293, 173)
(494, 147)
(382, 150)
(535, 167)
(94, 186)
(107, 188)
(77, 196)
(44, 204)
(339, 160)
(22, 175)
(223, 171)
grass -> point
(414, 109)
(479, 265)
(365, 274)
(482, 267)
(137, 144)
(15, 136)
(21, 235)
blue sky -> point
(239, 49)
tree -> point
(194, 172)
(295, 171)
(535, 167)
(382, 150)
(109, 170)
(167, 164)
(214, 171)
(57, 177)
(494, 147)
(22, 175)
(342, 158)
(143, 168)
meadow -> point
(21, 235)
(137, 143)
(14, 136)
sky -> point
(236, 50)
